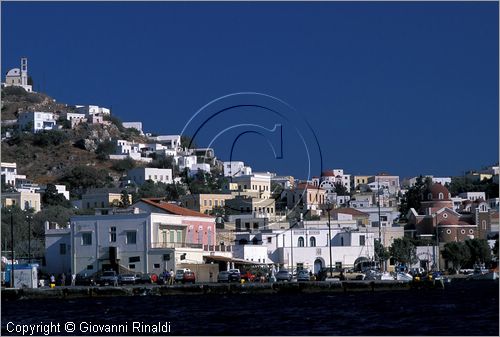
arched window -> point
(209, 236)
(312, 241)
(255, 241)
(429, 196)
(441, 196)
(301, 242)
(483, 223)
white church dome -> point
(14, 72)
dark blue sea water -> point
(463, 308)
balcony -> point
(176, 245)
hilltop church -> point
(19, 76)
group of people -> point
(168, 277)
(62, 280)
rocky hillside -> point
(47, 157)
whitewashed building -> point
(92, 110)
(472, 196)
(9, 173)
(236, 169)
(155, 237)
(37, 120)
(140, 174)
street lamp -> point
(329, 207)
(11, 247)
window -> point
(62, 249)
(134, 259)
(448, 231)
(471, 231)
(86, 239)
(90, 267)
(269, 239)
(112, 234)
(312, 241)
(361, 240)
(445, 215)
(204, 202)
(200, 234)
(301, 242)
(131, 266)
(255, 225)
(156, 265)
(441, 196)
(131, 238)
(462, 231)
(179, 236)
(483, 223)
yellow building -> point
(205, 203)
(25, 200)
(102, 200)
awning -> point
(218, 258)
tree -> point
(457, 253)
(403, 251)
(479, 250)
(104, 149)
(187, 142)
(381, 251)
(53, 197)
(123, 165)
(124, 199)
(80, 178)
(49, 138)
(414, 196)
(340, 189)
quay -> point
(69, 292)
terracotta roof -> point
(173, 209)
(437, 188)
(306, 186)
(327, 174)
(348, 210)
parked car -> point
(127, 278)
(234, 275)
(189, 277)
(108, 278)
(179, 275)
(144, 278)
(283, 275)
(303, 275)
(83, 280)
(223, 276)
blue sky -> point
(405, 88)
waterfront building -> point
(154, 237)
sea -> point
(466, 308)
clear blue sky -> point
(406, 88)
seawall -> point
(201, 289)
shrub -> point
(51, 137)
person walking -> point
(52, 281)
(63, 279)
(73, 279)
(172, 276)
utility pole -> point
(28, 217)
